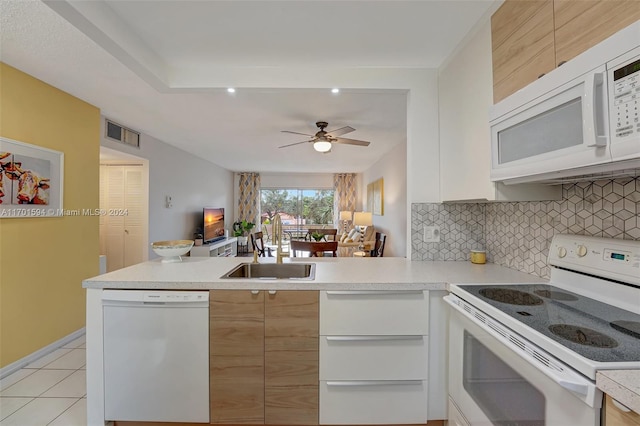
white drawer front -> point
(373, 402)
(374, 312)
(373, 357)
(455, 416)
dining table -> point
(296, 234)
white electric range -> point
(527, 354)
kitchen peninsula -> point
(322, 343)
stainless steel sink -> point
(273, 271)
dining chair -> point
(314, 247)
(378, 248)
(257, 242)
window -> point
(298, 208)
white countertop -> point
(621, 385)
(340, 273)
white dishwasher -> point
(156, 355)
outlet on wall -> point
(168, 201)
(431, 234)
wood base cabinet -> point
(615, 416)
(236, 350)
(264, 357)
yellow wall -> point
(44, 260)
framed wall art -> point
(375, 197)
(31, 180)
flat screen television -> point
(213, 224)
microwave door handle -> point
(591, 110)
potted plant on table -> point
(317, 236)
(242, 230)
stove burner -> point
(631, 328)
(512, 297)
(582, 335)
(556, 295)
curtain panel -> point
(344, 198)
(249, 197)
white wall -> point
(392, 168)
(192, 182)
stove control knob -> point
(581, 251)
(562, 252)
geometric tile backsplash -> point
(518, 235)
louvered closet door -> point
(103, 202)
(114, 225)
(133, 219)
(122, 222)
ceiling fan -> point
(323, 140)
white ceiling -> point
(161, 67)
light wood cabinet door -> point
(291, 357)
(522, 44)
(236, 377)
(580, 25)
(529, 38)
(616, 417)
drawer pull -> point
(372, 292)
(373, 382)
(255, 291)
(371, 338)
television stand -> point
(223, 248)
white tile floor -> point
(49, 391)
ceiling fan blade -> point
(342, 131)
(292, 144)
(295, 133)
(348, 141)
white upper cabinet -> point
(465, 95)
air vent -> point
(116, 132)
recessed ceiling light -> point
(335, 90)
(231, 90)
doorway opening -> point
(124, 209)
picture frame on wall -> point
(31, 180)
(375, 197)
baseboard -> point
(22, 362)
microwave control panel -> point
(626, 99)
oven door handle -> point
(560, 373)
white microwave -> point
(573, 122)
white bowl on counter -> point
(170, 251)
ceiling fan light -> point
(322, 146)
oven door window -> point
(504, 396)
